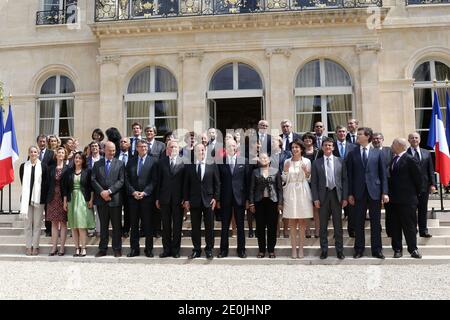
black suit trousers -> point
(196, 220)
(156, 219)
(141, 211)
(172, 221)
(403, 218)
(266, 217)
(422, 210)
(374, 207)
(331, 206)
(239, 213)
(107, 215)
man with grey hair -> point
(405, 185)
(155, 148)
(287, 134)
(263, 138)
(352, 126)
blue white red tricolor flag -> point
(437, 139)
(9, 152)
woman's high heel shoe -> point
(61, 253)
(77, 252)
(83, 252)
(52, 253)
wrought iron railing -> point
(414, 2)
(67, 16)
(113, 10)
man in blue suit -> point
(368, 188)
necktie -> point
(231, 165)
(172, 164)
(394, 162)
(364, 156)
(41, 156)
(416, 154)
(107, 167)
(319, 142)
(353, 138)
(199, 171)
(342, 150)
(287, 143)
(140, 164)
(330, 175)
(125, 158)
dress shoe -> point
(351, 234)
(398, 254)
(378, 255)
(272, 255)
(222, 254)
(323, 255)
(176, 255)
(357, 255)
(164, 255)
(242, 255)
(148, 253)
(100, 254)
(340, 256)
(117, 253)
(425, 235)
(209, 255)
(416, 254)
(250, 233)
(194, 255)
(133, 253)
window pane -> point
(51, 5)
(165, 81)
(138, 109)
(335, 75)
(423, 118)
(248, 77)
(423, 142)
(46, 126)
(140, 83)
(47, 109)
(335, 119)
(66, 109)
(65, 128)
(308, 104)
(143, 121)
(305, 122)
(49, 86)
(422, 98)
(309, 76)
(442, 71)
(66, 85)
(339, 103)
(223, 78)
(422, 72)
(165, 125)
(166, 108)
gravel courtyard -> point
(68, 280)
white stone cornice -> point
(368, 47)
(191, 54)
(284, 51)
(102, 59)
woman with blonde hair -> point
(53, 142)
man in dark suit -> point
(367, 189)
(352, 126)
(169, 199)
(263, 138)
(318, 133)
(329, 189)
(288, 135)
(140, 181)
(423, 156)
(377, 143)
(234, 187)
(108, 176)
(47, 157)
(136, 127)
(405, 186)
(201, 192)
(125, 155)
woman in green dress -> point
(78, 201)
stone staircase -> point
(435, 250)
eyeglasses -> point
(319, 126)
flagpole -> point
(1, 110)
(9, 185)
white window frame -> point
(61, 5)
(323, 91)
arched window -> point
(152, 99)
(236, 76)
(323, 92)
(56, 106)
(424, 76)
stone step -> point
(282, 250)
(235, 261)
(435, 240)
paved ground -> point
(67, 280)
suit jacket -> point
(114, 181)
(48, 158)
(319, 179)
(294, 136)
(131, 145)
(52, 182)
(170, 183)
(158, 149)
(349, 138)
(44, 181)
(129, 153)
(234, 186)
(267, 147)
(200, 193)
(90, 163)
(85, 183)
(277, 160)
(258, 184)
(146, 181)
(405, 182)
(426, 169)
(212, 153)
(348, 147)
(373, 176)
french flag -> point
(9, 152)
(437, 139)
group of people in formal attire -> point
(289, 180)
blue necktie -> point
(342, 150)
(107, 167)
(364, 157)
(287, 143)
(140, 164)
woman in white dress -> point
(298, 206)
